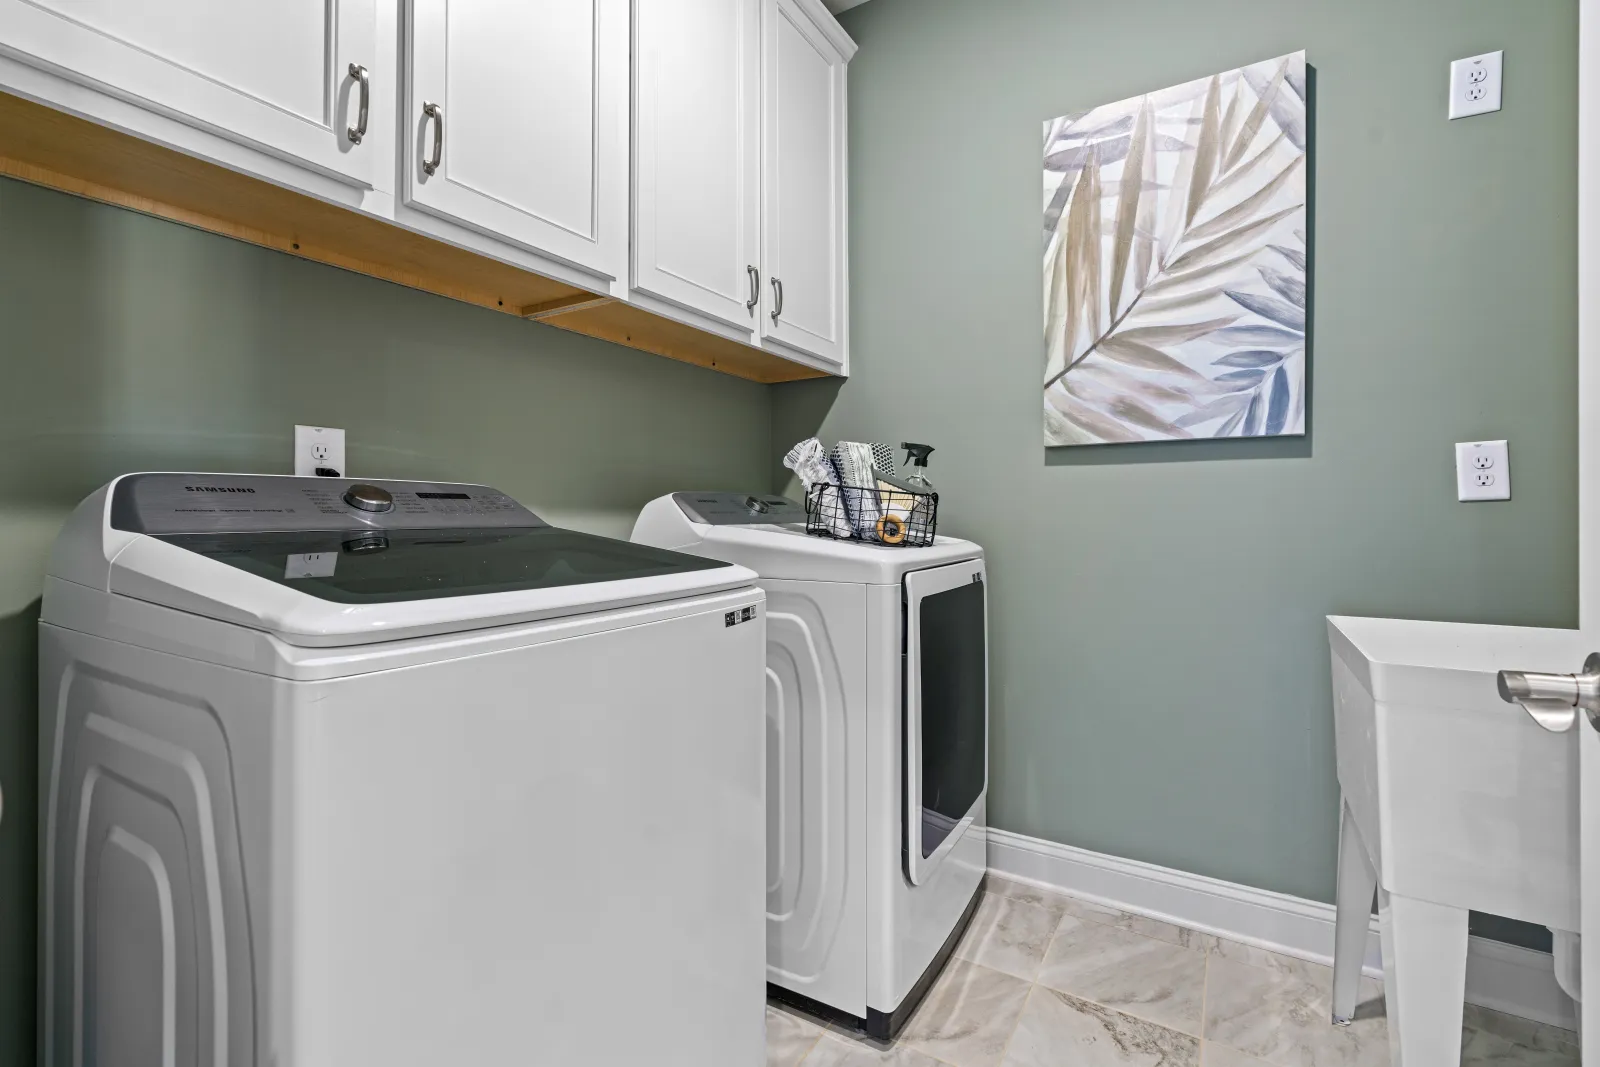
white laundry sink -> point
(1454, 800)
(1458, 795)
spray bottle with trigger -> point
(917, 460)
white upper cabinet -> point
(274, 75)
(696, 222)
(803, 226)
(686, 157)
(517, 123)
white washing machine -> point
(877, 749)
(393, 774)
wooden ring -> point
(891, 530)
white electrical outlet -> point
(1483, 471)
(1475, 85)
(319, 451)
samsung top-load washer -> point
(877, 738)
(393, 774)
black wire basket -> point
(878, 516)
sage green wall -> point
(128, 343)
(1160, 670)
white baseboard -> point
(1503, 977)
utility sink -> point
(1453, 800)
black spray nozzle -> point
(916, 455)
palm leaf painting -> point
(1175, 262)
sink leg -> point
(1357, 880)
(1424, 979)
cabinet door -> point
(803, 184)
(697, 156)
(271, 74)
(517, 123)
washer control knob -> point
(756, 505)
(365, 497)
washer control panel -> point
(739, 509)
(258, 503)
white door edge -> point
(1589, 493)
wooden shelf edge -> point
(46, 147)
(565, 306)
(634, 327)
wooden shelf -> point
(51, 148)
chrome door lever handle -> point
(1553, 700)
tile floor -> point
(1044, 980)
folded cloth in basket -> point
(855, 462)
(812, 466)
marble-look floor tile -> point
(1009, 935)
(1159, 929)
(1105, 915)
(1282, 1018)
(1156, 980)
(1518, 1030)
(789, 1037)
(1059, 1029)
(1215, 1055)
(1273, 961)
(1056, 903)
(835, 1051)
(967, 1016)
(1480, 1048)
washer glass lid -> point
(384, 566)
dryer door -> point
(946, 709)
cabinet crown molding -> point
(823, 17)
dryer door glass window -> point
(947, 708)
(952, 709)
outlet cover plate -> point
(1475, 85)
(318, 447)
(1483, 471)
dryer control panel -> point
(256, 503)
(738, 509)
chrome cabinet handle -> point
(436, 113)
(359, 130)
(1554, 699)
(777, 299)
(755, 290)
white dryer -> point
(877, 749)
(393, 774)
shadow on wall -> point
(19, 745)
(1184, 451)
(806, 407)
